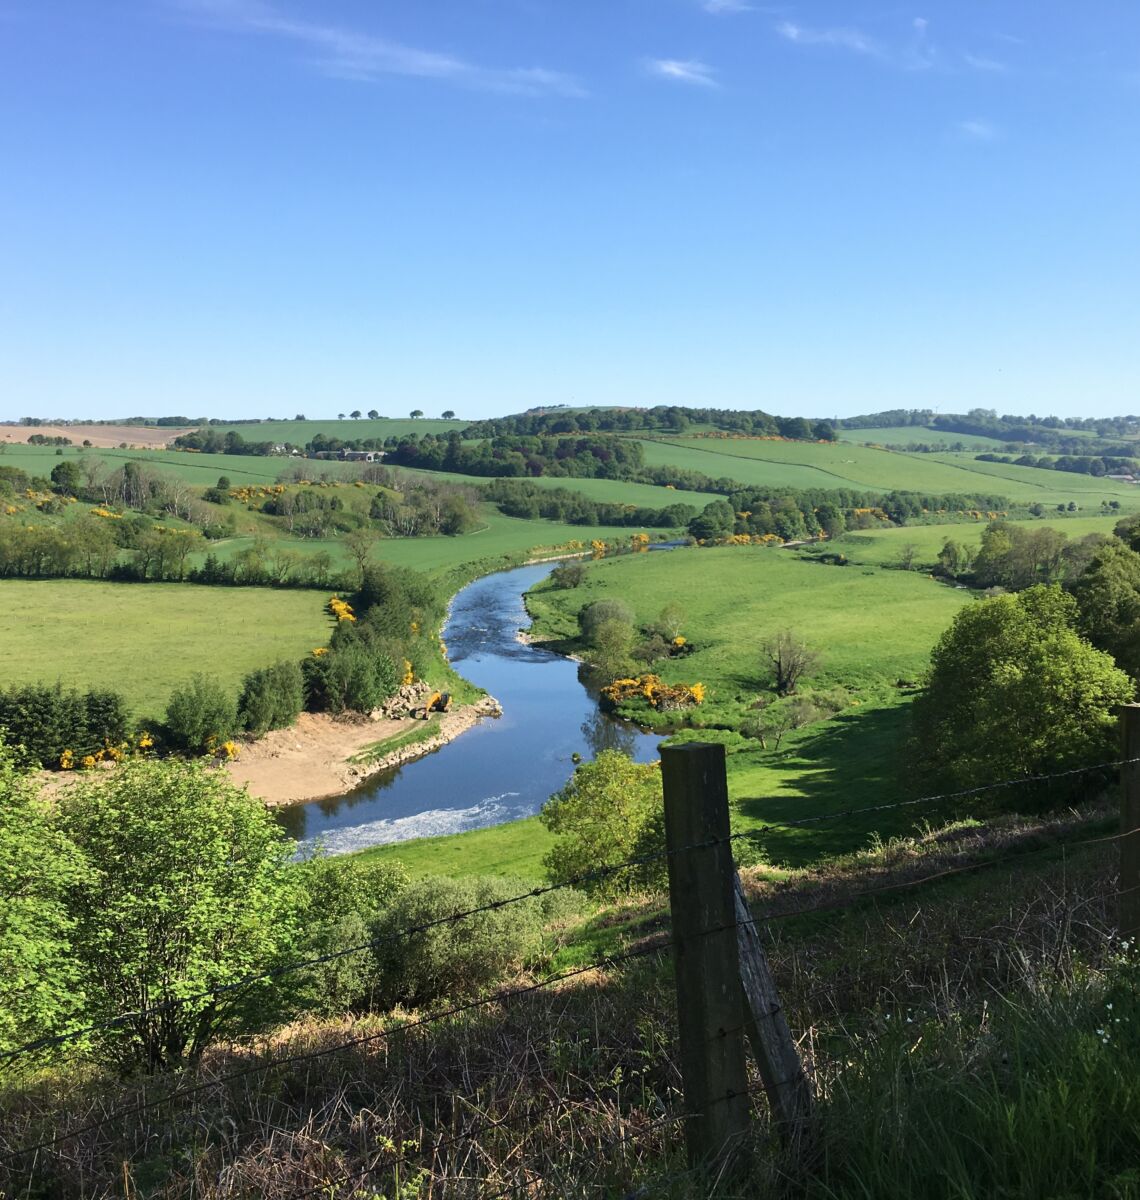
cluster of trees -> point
(47, 720)
(93, 547)
(616, 646)
(143, 901)
(1078, 464)
(590, 457)
(792, 514)
(664, 418)
(1017, 556)
(1014, 690)
(426, 507)
(521, 498)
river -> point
(504, 768)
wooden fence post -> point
(1130, 821)
(787, 1086)
(703, 905)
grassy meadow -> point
(145, 639)
(846, 465)
(903, 435)
(299, 433)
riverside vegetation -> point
(908, 647)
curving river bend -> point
(504, 768)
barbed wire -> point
(596, 875)
(498, 997)
(506, 995)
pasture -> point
(903, 435)
(846, 465)
(145, 639)
(299, 433)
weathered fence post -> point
(1130, 821)
(787, 1086)
(703, 905)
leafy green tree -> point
(599, 613)
(271, 698)
(1108, 597)
(67, 478)
(610, 646)
(448, 414)
(598, 819)
(1014, 690)
(373, 414)
(189, 890)
(40, 992)
(201, 714)
(416, 413)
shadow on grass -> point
(855, 761)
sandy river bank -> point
(310, 761)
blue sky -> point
(261, 207)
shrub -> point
(599, 818)
(602, 612)
(39, 992)
(568, 575)
(457, 958)
(200, 715)
(351, 676)
(343, 901)
(271, 698)
(48, 721)
(189, 890)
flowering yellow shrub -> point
(227, 751)
(409, 675)
(67, 760)
(320, 651)
(341, 609)
(661, 696)
(597, 549)
(639, 542)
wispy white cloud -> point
(840, 37)
(682, 71)
(352, 54)
(981, 63)
(719, 7)
(977, 130)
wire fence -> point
(386, 1160)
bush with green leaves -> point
(344, 899)
(40, 990)
(271, 698)
(200, 715)
(460, 958)
(45, 720)
(188, 890)
(1014, 690)
(603, 612)
(607, 813)
(353, 676)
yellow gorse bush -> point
(341, 609)
(661, 696)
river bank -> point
(321, 757)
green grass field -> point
(845, 465)
(299, 433)
(903, 435)
(145, 639)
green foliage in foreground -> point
(1042, 1099)
(1014, 690)
(187, 889)
(38, 980)
(611, 811)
